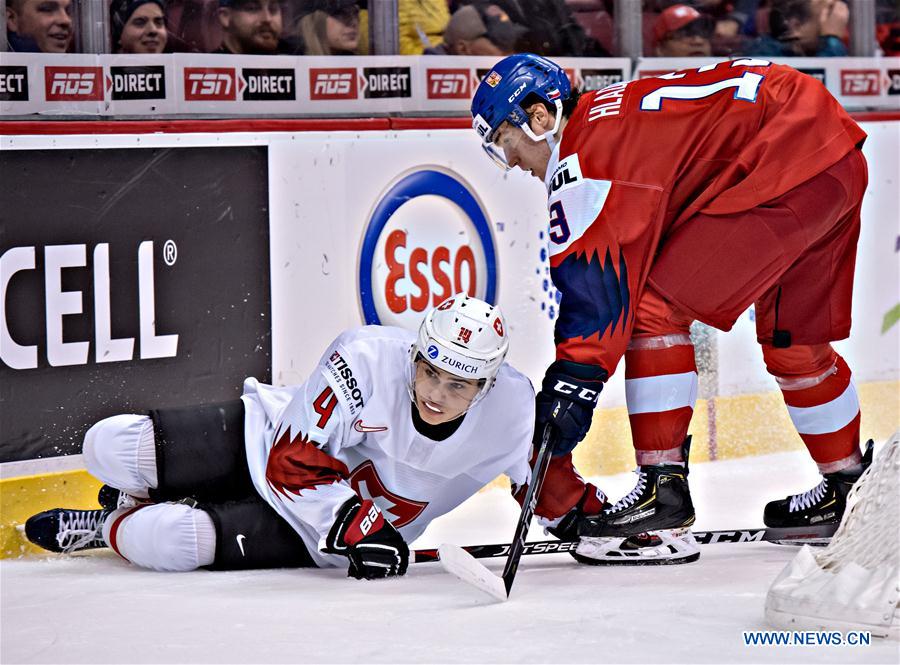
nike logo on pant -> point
(240, 542)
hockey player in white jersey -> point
(390, 431)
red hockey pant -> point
(802, 295)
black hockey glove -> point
(375, 548)
(567, 399)
(591, 504)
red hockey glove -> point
(375, 548)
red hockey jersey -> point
(641, 158)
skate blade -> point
(655, 548)
(815, 542)
(647, 561)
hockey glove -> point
(567, 399)
(371, 543)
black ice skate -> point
(111, 498)
(649, 525)
(824, 504)
(66, 531)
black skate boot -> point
(824, 504)
(111, 498)
(64, 530)
(649, 525)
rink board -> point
(417, 185)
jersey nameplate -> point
(345, 385)
(567, 174)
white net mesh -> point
(854, 583)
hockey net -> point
(854, 583)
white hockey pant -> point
(120, 451)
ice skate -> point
(824, 504)
(111, 498)
(66, 531)
(649, 525)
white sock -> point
(163, 536)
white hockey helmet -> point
(464, 336)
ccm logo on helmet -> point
(427, 238)
(517, 92)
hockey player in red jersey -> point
(689, 196)
(390, 431)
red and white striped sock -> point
(825, 411)
(660, 392)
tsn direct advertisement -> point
(190, 83)
(130, 281)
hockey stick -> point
(773, 535)
(461, 563)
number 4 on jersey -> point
(324, 405)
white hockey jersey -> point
(349, 429)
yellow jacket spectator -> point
(422, 24)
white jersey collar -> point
(551, 166)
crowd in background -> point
(583, 28)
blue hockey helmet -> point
(503, 89)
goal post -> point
(853, 583)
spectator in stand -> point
(422, 22)
(328, 27)
(251, 27)
(681, 31)
(552, 28)
(138, 26)
(475, 30)
(887, 26)
(804, 28)
(39, 26)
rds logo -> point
(427, 238)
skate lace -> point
(629, 499)
(78, 528)
(808, 499)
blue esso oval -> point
(427, 238)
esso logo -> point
(427, 238)
(433, 352)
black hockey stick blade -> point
(461, 563)
(798, 535)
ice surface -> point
(96, 608)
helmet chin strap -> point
(549, 137)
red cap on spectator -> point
(674, 18)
